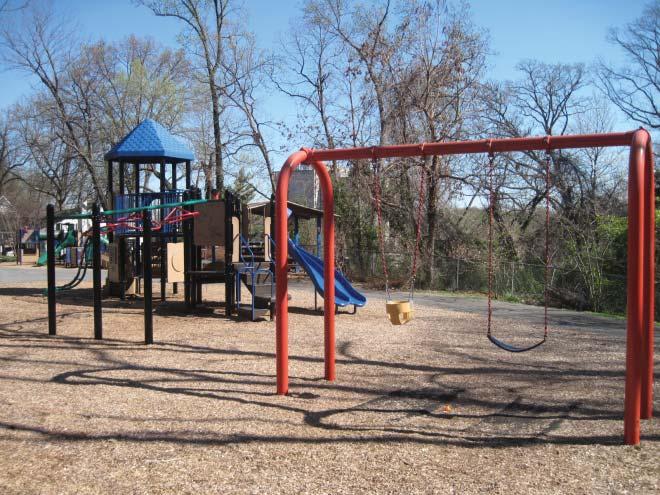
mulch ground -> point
(429, 407)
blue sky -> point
(558, 31)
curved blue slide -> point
(345, 293)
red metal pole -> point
(281, 254)
(481, 146)
(636, 283)
(649, 286)
(328, 269)
(281, 282)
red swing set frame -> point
(638, 402)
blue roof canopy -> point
(150, 142)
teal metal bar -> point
(132, 210)
(154, 207)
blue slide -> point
(345, 293)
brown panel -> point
(210, 224)
(113, 262)
(175, 267)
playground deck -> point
(430, 407)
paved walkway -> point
(12, 274)
(533, 315)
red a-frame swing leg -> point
(649, 285)
(637, 287)
(281, 254)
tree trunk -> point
(432, 217)
(217, 136)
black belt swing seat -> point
(491, 205)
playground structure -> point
(66, 237)
(166, 234)
(638, 402)
(301, 258)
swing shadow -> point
(221, 386)
(474, 437)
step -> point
(258, 312)
(263, 291)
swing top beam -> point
(641, 247)
(538, 143)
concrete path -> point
(533, 315)
(13, 274)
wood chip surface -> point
(429, 407)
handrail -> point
(133, 210)
(155, 207)
(245, 243)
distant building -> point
(304, 187)
(6, 206)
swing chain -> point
(547, 244)
(491, 207)
(418, 237)
(378, 195)
(491, 201)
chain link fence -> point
(512, 280)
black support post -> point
(188, 175)
(111, 193)
(96, 271)
(229, 246)
(187, 243)
(50, 267)
(122, 178)
(198, 261)
(163, 241)
(192, 258)
(111, 183)
(175, 286)
(136, 178)
(136, 239)
(122, 266)
(146, 272)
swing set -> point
(638, 402)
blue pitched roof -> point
(149, 141)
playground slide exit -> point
(345, 293)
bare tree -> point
(10, 161)
(205, 22)
(136, 79)
(42, 46)
(635, 87)
(51, 167)
(435, 94)
(545, 100)
(373, 39)
(308, 72)
(8, 6)
(246, 70)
